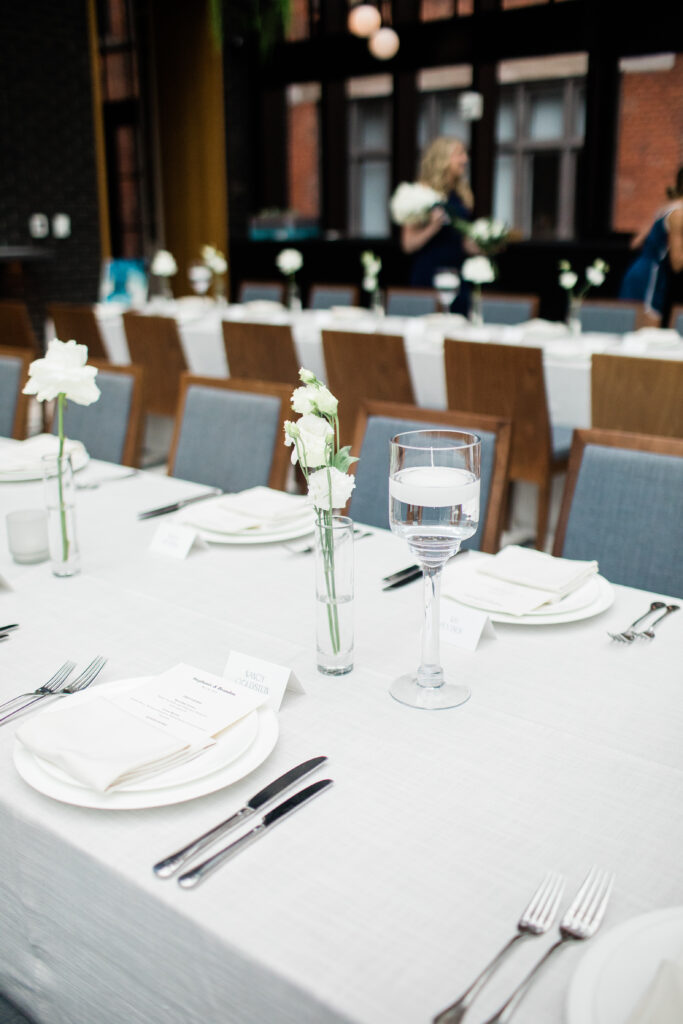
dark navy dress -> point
(443, 251)
(647, 279)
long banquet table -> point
(379, 902)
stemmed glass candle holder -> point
(434, 506)
(447, 284)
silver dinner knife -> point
(283, 810)
(167, 867)
(176, 505)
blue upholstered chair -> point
(378, 422)
(229, 433)
(269, 291)
(508, 309)
(323, 296)
(615, 316)
(412, 301)
(110, 428)
(622, 505)
(14, 363)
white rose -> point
(411, 203)
(478, 270)
(314, 436)
(289, 261)
(324, 401)
(319, 488)
(63, 370)
(218, 264)
(481, 228)
(594, 276)
(302, 400)
(164, 264)
(568, 279)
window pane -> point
(546, 115)
(504, 189)
(374, 198)
(449, 120)
(505, 119)
(544, 184)
(580, 111)
(374, 125)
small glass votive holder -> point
(27, 535)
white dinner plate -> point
(618, 968)
(79, 459)
(595, 596)
(33, 771)
(290, 532)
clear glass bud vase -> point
(334, 593)
(574, 314)
(476, 315)
(60, 498)
(293, 296)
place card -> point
(263, 677)
(175, 540)
(464, 627)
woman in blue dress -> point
(437, 245)
(648, 279)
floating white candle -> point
(434, 486)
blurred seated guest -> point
(648, 279)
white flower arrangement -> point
(412, 202)
(214, 259)
(488, 234)
(289, 261)
(63, 374)
(478, 270)
(372, 265)
(594, 276)
(164, 264)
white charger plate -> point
(595, 596)
(617, 969)
(79, 459)
(291, 532)
(219, 770)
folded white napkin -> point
(258, 509)
(544, 328)
(110, 739)
(663, 1000)
(518, 580)
(25, 456)
(348, 312)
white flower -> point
(478, 270)
(411, 203)
(319, 488)
(568, 279)
(307, 376)
(214, 259)
(302, 401)
(314, 398)
(371, 264)
(289, 261)
(595, 275)
(63, 370)
(314, 436)
(324, 401)
(600, 265)
(164, 264)
(481, 229)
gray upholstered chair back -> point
(324, 298)
(227, 438)
(677, 319)
(506, 311)
(608, 319)
(11, 372)
(402, 303)
(254, 291)
(103, 426)
(370, 497)
(627, 512)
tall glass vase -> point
(574, 314)
(334, 593)
(476, 315)
(60, 498)
(293, 296)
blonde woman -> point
(436, 245)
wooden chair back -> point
(260, 352)
(494, 515)
(16, 330)
(281, 454)
(17, 359)
(78, 321)
(260, 291)
(365, 366)
(643, 396)
(154, 343)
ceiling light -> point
(384, 44)
(364, 19)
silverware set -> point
(631, 633)
(56, 686)
(580, 922)
(170, 865)
(6, 631)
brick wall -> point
(304, 156)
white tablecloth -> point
(379, 902)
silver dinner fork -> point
(79, 683)
(629, 633)
(581, 921)
(53, 683)
(649, 633)
(536, 919)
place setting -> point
(22, 461)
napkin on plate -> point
(108, 740)
(544, 328)
(519, 580)
(663, 1000)
(256, 510)
(25, 456)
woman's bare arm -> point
(415, 236)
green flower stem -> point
(61, 401)
(326, 533)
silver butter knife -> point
(283, 810)
(176, 505)
(167, 867)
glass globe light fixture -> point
(364, 20)
(384, 44)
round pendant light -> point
(384, 44)
(364, 20)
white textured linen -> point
(378, 903)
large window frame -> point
(364, 98)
